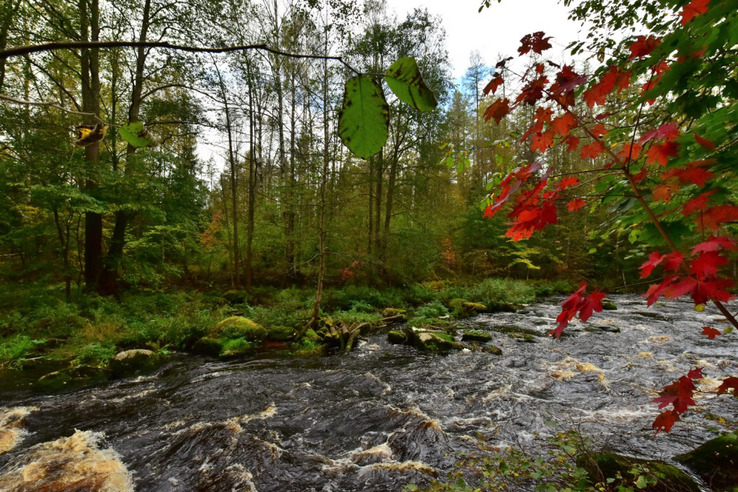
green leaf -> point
(135, 134)
(363, 124)
(404, 78)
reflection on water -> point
(378, 418)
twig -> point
(47, 104)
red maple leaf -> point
(542, 141)
(654, 260)
(665, 421)
(665, 191)
(714, 216)
(566, 81)
(598, 130)
(706, 144)
(567, 182)
(592, 150)
(710, 332)
(706, 264)
(678, 394)
(630, 152)
(694, 175)
(493, 85)
(657, 290)
(533, 91)
(713, 244)
(578, 303)
(714, 288)
(697, 204)
(498, 110)
(693, 9)
(576, 204)
(660, 153)
(536, 42)
(564, 124)
(673, 261)
(572, 143)
(729, 383)
(666, 131)
(643, 46)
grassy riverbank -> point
(36, 324)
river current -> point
(380, 417)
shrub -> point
(498, 293)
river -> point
(382, 416)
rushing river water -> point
(382, 416)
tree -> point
(659, 133)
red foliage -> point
(578, 303)
(706, 144)
(592, 150)
(661, 153)
(498, 110)
(729, 383)
(710, 332)
(711, 218)
(493, 85)
(693, 9)
(643, 46)
(679, 395)
(538, 42)
(576, 204)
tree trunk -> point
(90, 68)
(109, 283)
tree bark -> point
(90, 68)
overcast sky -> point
(496, 30)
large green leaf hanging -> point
(404, 78)
(364, 120)
(135, 134)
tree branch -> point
(70, 45)
(47, 104)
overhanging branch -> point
(70, 45)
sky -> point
(496, 30)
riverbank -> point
(38, 328)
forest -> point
(208, 207)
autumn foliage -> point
(656, 140)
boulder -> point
(476, 336)
(716, 461)
(236, 296)
(603, 466)
(434, 341)
(609, 306)
(492, 349)
(208, 346)
(72, 378)
(397, 336)
(239, 327)
(280, 333)
(393, 312)
(132, 362)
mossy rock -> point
(307, 348)
(239, 327)
(492, 349)
(236, 296)
(514, 330)
(72, 378)
(280, 333)
(236, 347)
(392, 312)
(397, 336)
(609, 306)
(208, 346)
(602, 466)
(132, 362)
(716, 461)
(464, 309)
(435, 341)
(476, 336)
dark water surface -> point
(387, 415)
